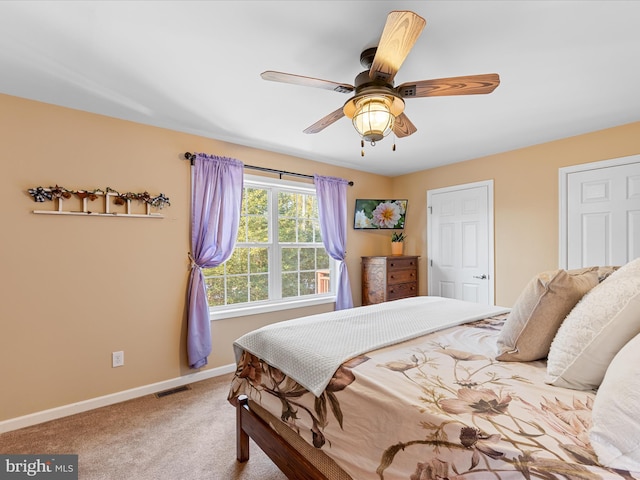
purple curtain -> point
(216, 200)
(332, 210)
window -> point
(279, 255)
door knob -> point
(481, 277)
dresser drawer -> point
(401, 276)
(402, 263)
(402, 290)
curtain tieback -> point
(193, 262)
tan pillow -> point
(595, 330)
(540, 309)
(604, 272)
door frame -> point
(490, 232)
(563, 179)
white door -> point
(602, 218)
(460, 242)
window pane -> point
(322, 258)
(255, 201)
(287, 230)
(259, 260)
(242, 229)
(289, 259)
(254, 221)
(238, 262)
(238, 289)
(307, 283)
(215, 291)
(210, 272)
(305, 231)
(259, 287)
(316, 232)
(307, 259)
(305, 206)
(323, 281)
(286, 204)
(258, 229)
(289, 285)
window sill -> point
(241, 311)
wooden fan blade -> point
(324, 122)
(403, 127)
(307, 81)
(439, 87)
(398, 37)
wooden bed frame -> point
(291, 462)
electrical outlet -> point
(117, 359)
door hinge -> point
(430, 210)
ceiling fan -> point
(377, 107)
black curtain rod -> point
(191, 157)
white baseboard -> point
(85, 405)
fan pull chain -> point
(373, 144)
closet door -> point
(602, 213)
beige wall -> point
(74, 289)
(525, 201)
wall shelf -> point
(95, 214)
(112, 203)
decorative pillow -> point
(540, 309)
(615, 430)
(595, 330)
(604, 272)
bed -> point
(447, 389)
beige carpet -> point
(189, 435)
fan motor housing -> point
(367, 56)
(363, 80)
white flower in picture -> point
(361, 220)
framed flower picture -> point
(379, 214)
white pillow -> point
(595, 330)
(615, 430)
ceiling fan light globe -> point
(373, 118)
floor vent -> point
(171, 391)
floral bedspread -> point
(437, 407)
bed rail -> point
(291, 462)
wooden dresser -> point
(389, 278)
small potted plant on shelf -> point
(397, 243)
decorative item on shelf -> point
(41, 194)
(397, 243)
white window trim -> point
(241, 310)
(255, 308)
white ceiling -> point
(566, 68)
